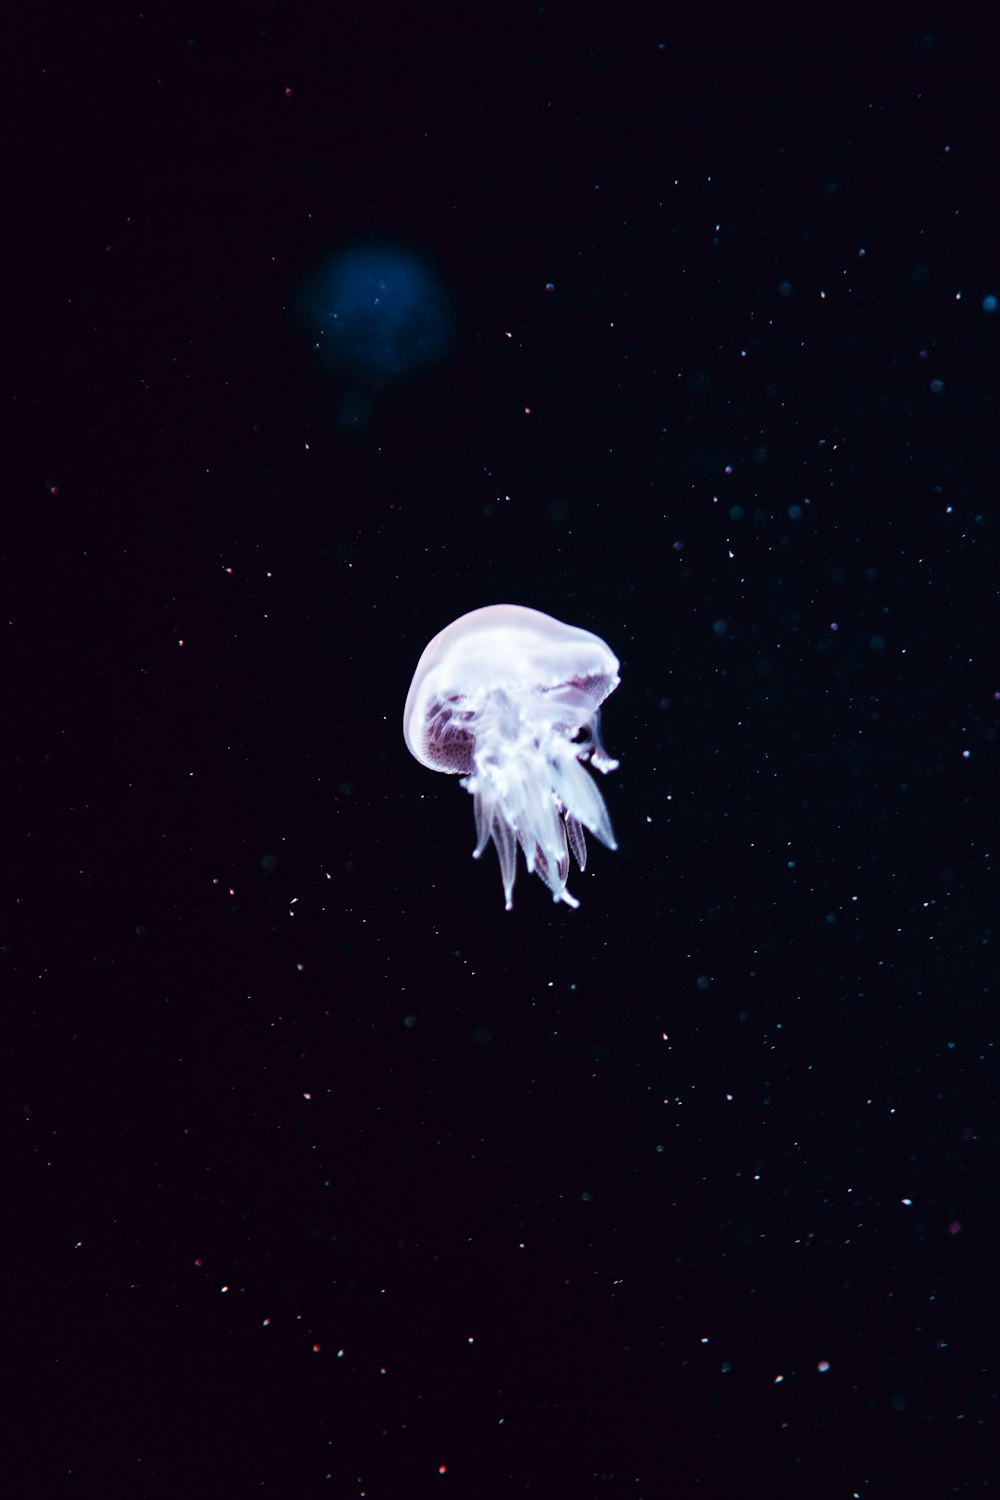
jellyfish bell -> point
(509, 699)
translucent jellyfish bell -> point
(509, 699)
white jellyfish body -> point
(509, 699)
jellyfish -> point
(509, 699)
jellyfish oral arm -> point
(535, 792)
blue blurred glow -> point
(380, 313)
